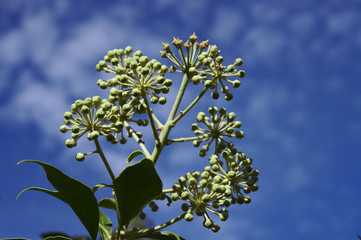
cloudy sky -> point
(300, 106)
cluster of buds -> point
(203, 195)
(203, 63)
(96, 116)
(237, 171)
(219, 125)
(220, 185)
(134, 75)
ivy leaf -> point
(57, 238)
(105, 226)
(108, 203)
(73, 192)
(134, 188)
(163, 236)
(134, 155)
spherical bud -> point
(236, 84)
(224, 215)
(203, 183)
(217, 179)
(215, 228)
(239, 134)
(185, 195)
(68, 115)
(200, 116)
(238, 62)
(231, 174)
(119, 52)
(136, 92)
(254, 188)
(219, 59)
(107, 58)
(122, 140)
(216, 187)
(208, 223)
(63, 128)
(241, 74)
(228, 97)
(162, 100)
(202, 153)
(157, 66)
(164, 69)
(70, 143)
(193, 38)
(174, 196)
(192, 181)
(172, 69)
(138, 53)
(80, 157)
(205, 175)
(192, 70)
(187, 44)
(75, 129)
(196, 79)
(196, 143)
(207, 61)
(167, 83)
(213, 110)
(145, 71)
(215, 95)
(230, 68)
(154, 100)
(208, 83)
(188, 217)
(128, 50)
(213, 161)
(153, 206)
(247, 200)
(114, 61)
(182, 180)
(185, 207)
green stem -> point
(102, 156)
(149, 112)
(140, 143)
(182, 113)
(156, 228)
(177, 140)
(169, 124)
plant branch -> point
(139, 141)
(102, 156)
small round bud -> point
(162, 100)
(239, 134)
(167, 83)
(247, 200)
(241, 74)
(217, 179)
(236, 84)
(202, 153)
(208, 223)
(196, 143)
(215, 95)
(128, 50)
(188, 217)
(228, 97)
(208, 83)
(231, 174)
(213, 110)
(63, 128)
(238, 62)
(68, 115)
(174, 196)
(80, 157)
(205, 175)
(185, 195)
(192, 181)
(70, 143)
(136, 92)
(203, 183)
(185, 207)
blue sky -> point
(300, 105)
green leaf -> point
(134, 188)
(105, 226)
(77, 195)
(57, 238)
(134, 155)
(108, 203)
(163, 236)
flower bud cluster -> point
(134, 75)
(219, 125)
(95, 116)
(203, 196)
(215, 75)
(236, 169)
(223, 183)
(203, 64)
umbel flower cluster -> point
(137, 84)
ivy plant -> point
(136, 85)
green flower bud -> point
(228, 97)
(162, 100)
(128, 50)
(203, 183)
(136, 92)
(205, 175)
(238, 62)
(122, 140)
(114, 61)
(188, 217)
(254, 188)
(208, 223)
(213, 110)
(196, 143)
(236, 83)
(200, 116)
(85, 109)
(138, 53)
(207, 61)
(231, 174)
(215, 95)
(154, 100)
(185, 207)
(216, 187)
(64, 128)
(185, 195)
(239, 134)
(208, 83)
(247, 200)
(70, 143)
(192, 181)
(167, 83)
(217, 179)
(75, 129)
(80, 157)
(219, 59)
(202, 153)
(230, 68)
(68, 116)
(164, 69)
(241, 74)
(174, 196)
